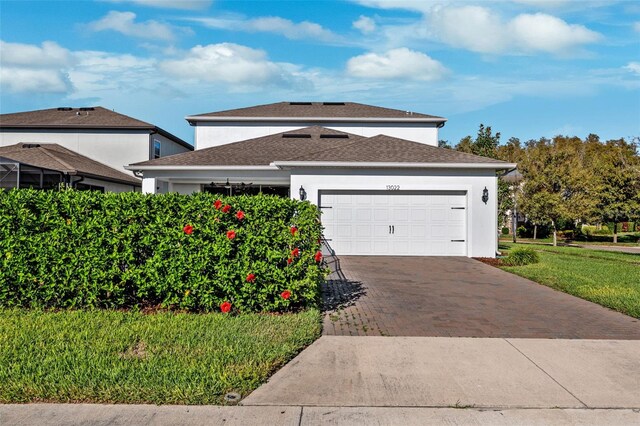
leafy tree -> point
(546, 193)
(443, 143)
(617, 167)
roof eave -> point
(133, 167)
(391, 165)
(195, 119)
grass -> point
(629, 239)
(128, 357)
(610, 279)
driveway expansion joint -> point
(549, 375)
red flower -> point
(318, 256)
(294, 230)
(251, 278)
(188, 229)
(240, 215)
(285, 294)
(231, 235)
(289, 260)
(226, 208)
(217, 204)
(295, 252)
(225, 307)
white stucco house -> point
(101, 134)
(379, 193)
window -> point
(156, 148)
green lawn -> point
(610, 279)
(126, 357)
(625, 239)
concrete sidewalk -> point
(408, 381)
(151, 415)
(338, 371)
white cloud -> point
(479, 29)
(48, 55)
(399, 63)
(365, 24)
(471, 27)
(28, 68)
(170, 4)
(271, 24)
(636, 26)
(124, 23)
(547, 33)
(229, 63)
(634, 67)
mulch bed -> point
(490, 261)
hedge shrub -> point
(521, 257)
(80, 249)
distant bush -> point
(593, 230)
(520, 257)
(77, 249)
(522, 232)
(505, 230)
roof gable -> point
(89, 117)
(319, 144)
(311, 110)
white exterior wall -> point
(167, 146)
(481, 218)
(113, 148)
(208, 134)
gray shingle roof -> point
(55, 157)
(315, 110)
(318, 144)
(80, 118)
(92, 117)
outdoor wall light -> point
(303, 194)
(485, 195)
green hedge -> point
(80, 249)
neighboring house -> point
(47, 166)
(379, 195)
(218, 128)
(101, 134)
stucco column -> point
(149, 186)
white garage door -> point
(410, 223)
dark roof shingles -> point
(58, 158)
(317, 109)
(98, 117)
(264, 150)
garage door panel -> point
(381, 214)
(422, 223)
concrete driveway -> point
(457, 297)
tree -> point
(443, 143)
(617, 167)
(545, 192)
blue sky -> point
(527, 68)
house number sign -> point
(393, 187)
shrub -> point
(505, 230)
(76, 249)
(521, 257)
(522, 232)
